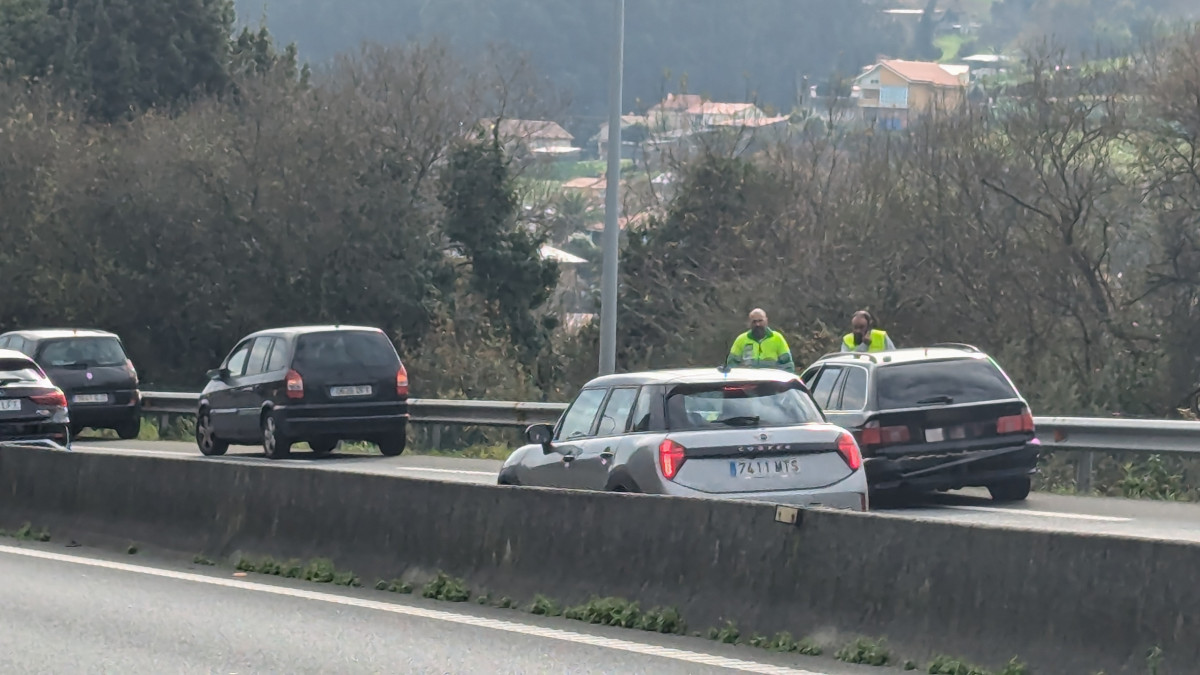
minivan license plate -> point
(90, 398)
(363, 390)
(758, 468)
(9, 405)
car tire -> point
(206, 438)
(1012, 490)
(392, 446)
(130, 429)
(323, 447)
(275, 444)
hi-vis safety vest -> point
(770, 352)
(877, 343)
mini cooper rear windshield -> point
(721, 405)
(913, 385)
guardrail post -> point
(1083, 472)
(164, 423)
(436, 437)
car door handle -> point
(607, 454)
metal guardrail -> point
(1086, 435)
(421, 410)
(1098, 434)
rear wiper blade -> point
(739, 421)
(936, 399)
(73, 364)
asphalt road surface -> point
(75, 610)
(1097, 515)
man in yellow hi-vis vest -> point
(760, 347)
(865, 337)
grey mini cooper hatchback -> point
(705, 432)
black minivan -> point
(306, 384)
(92, 369)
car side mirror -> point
(217, 374)
(541, 434)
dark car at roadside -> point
(930, 419)
(306, 384)
(92, 369)
(32, 408)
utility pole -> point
(612, 227)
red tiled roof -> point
(922, 71)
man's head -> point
(758, 323)
(861, 323)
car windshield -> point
(926, 383)
(722, 405)
(82, 351)
(18, 371)
(339, 349)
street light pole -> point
(612, 228)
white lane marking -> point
(1036, 514)
(437, 615)
(290, 462)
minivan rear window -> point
(913, 385)
(722, 405)
(89, 352)
(339, 349)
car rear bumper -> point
(343, 422)
(125, 405)
(951, 471)
(33, 431)
(837, 497)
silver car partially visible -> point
(712, 433)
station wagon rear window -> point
(337, 349)
(82, 352)
(925, 383)
(722, 405)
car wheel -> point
(1014, 490)
(130, 429)
(393, 445)
(323, 447)
(275, 444)
(206, 438)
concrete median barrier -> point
(1064, 603)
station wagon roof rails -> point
(853, 355)
(957, 345)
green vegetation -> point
(544, 606)
(606, 612)
(317, 570)
(727, 634)
(865, 651)
(445, 587)
(394, 586)
(622, 613)
(951, 46)
(27, 533)
(201, 560)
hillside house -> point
(893, 93)
(539, 138)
